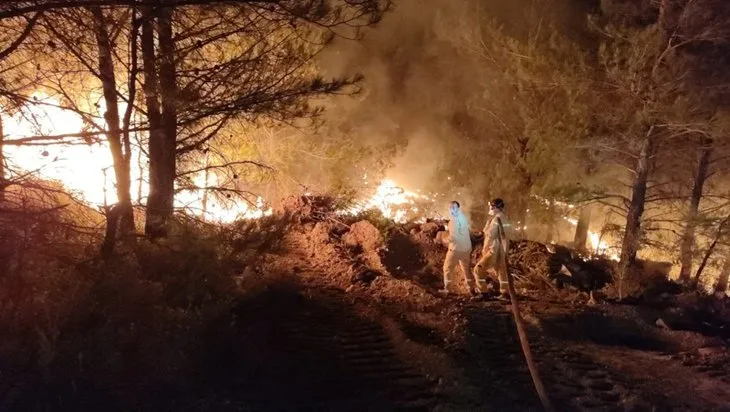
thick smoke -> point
(418, 85)
(410, 87)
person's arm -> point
(467, 228)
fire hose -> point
(531, 366)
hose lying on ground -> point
(539, 387)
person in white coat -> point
(459, 249)
(496, 243)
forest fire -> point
(67, 162)
(598, 245)
(86, 168)
(246, 205)
(79, 167)
(394, 202)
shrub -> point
(82, 330)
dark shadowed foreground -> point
(312, 313)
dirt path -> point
(307, 344)
(580, 376)
(312, 351)
(662, 377)
(298, 347)
(574, 381)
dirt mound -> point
(364, 235)
(330, 253)
(364, 243)
(325, 250)
(308, 208)
(429, 228)
(417, 254)
(362, 252)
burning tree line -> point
(171, 78)
(626, 114)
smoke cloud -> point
(418, 86)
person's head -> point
(496, 205)
(454, 208)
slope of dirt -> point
(313, 351)
(469, 349)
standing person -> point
(493, 249)
(459, 252)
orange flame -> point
(87, 170)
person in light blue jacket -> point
(459, 249)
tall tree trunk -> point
(5, 238)
(168, 88)
(581, 229)
(162, 143)
(123, 212)
(688, 238)
(128, 220)
(632, 234)
(3, 182)
(550, 230)
(207, 184)
(156, 217)
(140, 181)
(724, 279)
(718, 235)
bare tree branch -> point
(21, 38)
